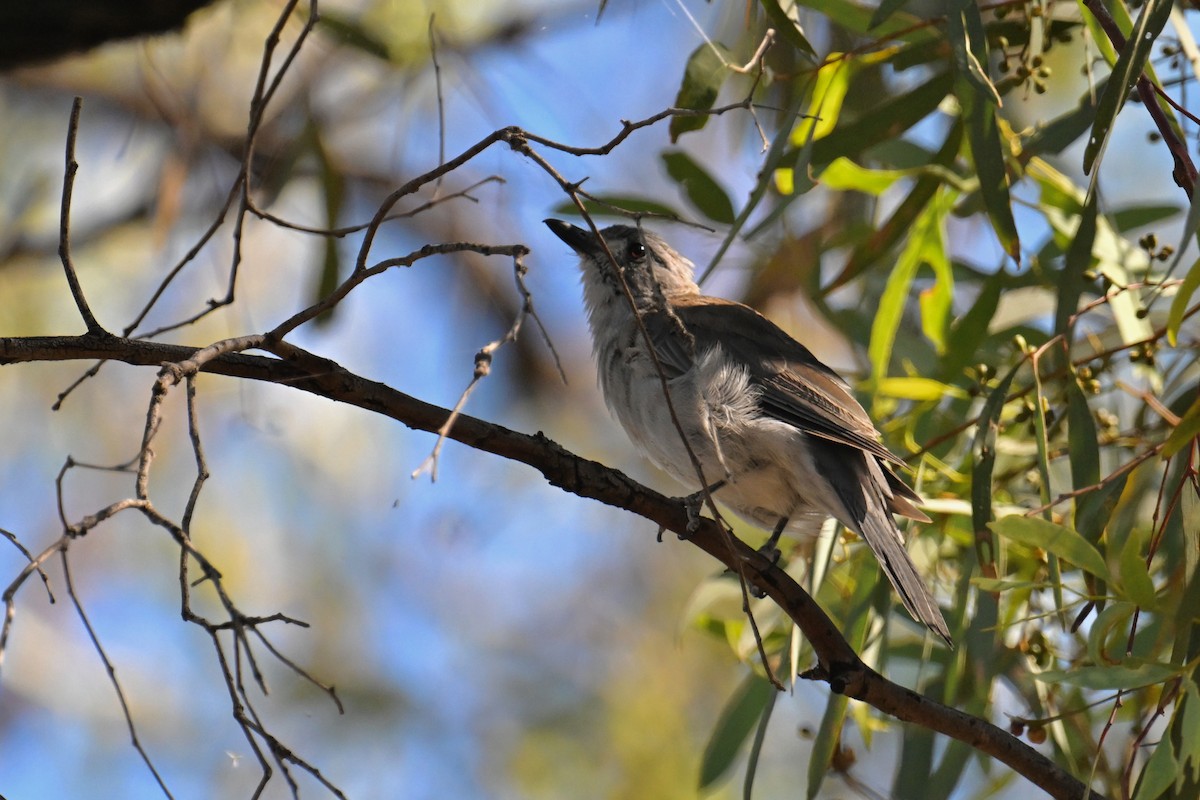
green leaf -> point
(983, 457)
(885, 11)
(844, 175)
(760, 736)
(702, 79)
(1053, 538)
(917, 389)
(987, 154)
(788, 27)
(886, 120)
(704, 192)
(1056, 136)
(969, 331)
(1185, 432)
(997, 585)
(1189, 728)
(1129, 66)
(964, 30)
(1179, 305)
(613, 205)
(1114, 619)
(828, 94)
(826, 741)
(925, 246)
(901, 221)
(1079, 259)
(1094, 509)
(1132, 674)
(1159, 772)
(1183, 295)
(1126, 219)
(857, 17)
(1084, 449)
(937, 300)
(738, 718)
(1135, 577)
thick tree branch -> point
(838, 664)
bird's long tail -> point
(859, 482)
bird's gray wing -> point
(796, 387)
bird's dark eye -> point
(637, 251)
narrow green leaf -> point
(901, 221)
(937, 300)
(1072, 283)
(1185, 432)
(1179, 305)
(1129, 66)
(1159, 773)
(1058, 134)
(702, 79)
(1053, 538)
(987, 154)
(1189, 728)
(997, 585)
(1183, 295)
(925, 244)
(885, 11)
(829, 735)
(886, 120)
(614, 205)
(983, 457)
(825, 107)
(1094, 509)
(912, 388)
(1113, 620)
(1133, 674)
(844, 175)
(1187, 601)
(760, 736)
(964, 30)
(737, 719)
(1084, 449)
(702, 190)
(1126, 219)
(788, 27)
(968, 331)
(1135, 577)
(856, 17)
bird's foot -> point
(770, 549)
(770, 552)
(694, 502)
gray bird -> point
(780, 438)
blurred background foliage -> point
(908, 198)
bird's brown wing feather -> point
(796, 387)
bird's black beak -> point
(581, 241)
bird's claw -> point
(770, 552)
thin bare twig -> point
(64, 226)
(483, 360)
(112, 673)
(441, 101)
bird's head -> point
(651, 268)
